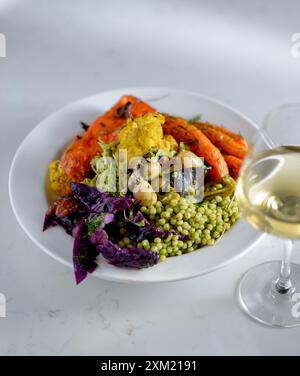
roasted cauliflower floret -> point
(58, 179)
(145, 134)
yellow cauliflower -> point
(144, 134)
(58, 179)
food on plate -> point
(234, 164)
(141, 186)
(232, 145)
(143, 134)
(76, 159)
(187, 133)
(58, 179)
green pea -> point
(161, 221)
(126, 241)
(174, 202)
(152, 210)
(165, 214)
(167, 227)
(154, 248)
(163, 252)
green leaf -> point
(194, 119)
(93, 222)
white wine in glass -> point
(268, 193)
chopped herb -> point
(93, 222)
(240, 134)
(130, 219)
(194, 119)
(85, 126)
(124, 112)
(141, 223)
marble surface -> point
(59, 51)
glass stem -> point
(283, 284)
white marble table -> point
(58, 51)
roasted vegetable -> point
(224, 140)
(225, 189)
(144, 134)
(58, 179)
(234, 164)
(76, 159)
(182, 131)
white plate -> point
(29, 166)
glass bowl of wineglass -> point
(268, 193)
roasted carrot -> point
(182, 131)
(222, 140)
(234, 164)
(237, 137)
(76, 159)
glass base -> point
(259, 299)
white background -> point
(59, 51)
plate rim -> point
(111, 277)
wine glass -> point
(268, 192)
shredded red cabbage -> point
(85, 215)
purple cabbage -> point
(84, 253)
(64, 212)
(85, 214)
(87, 248)
(129, 257)
(95, 201)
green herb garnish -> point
(194, 119)
(93, 222)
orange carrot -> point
(76, 159)
(182, 131)
(237, 137)
(234, 164)
(223, 141)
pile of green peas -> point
(203, 223)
